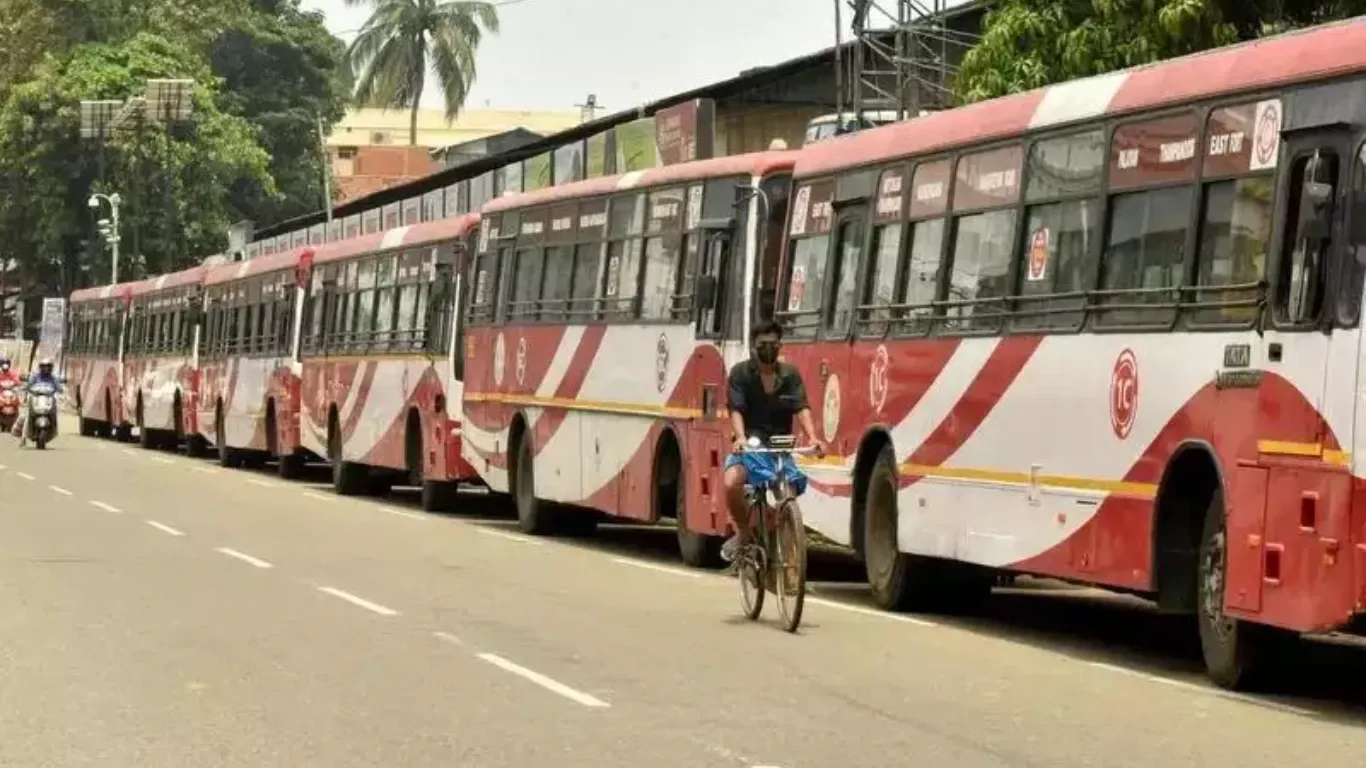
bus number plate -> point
(1238, 356)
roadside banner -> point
(51, 332)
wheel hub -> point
(1212, 586)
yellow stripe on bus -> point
(1305, 450)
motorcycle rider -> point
(7, 372)
(43, 375)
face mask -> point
(767, 353)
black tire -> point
(196, 446)
(290, 466)
(752, 577)
(227, 456)
(146, 439)
(439, 496)
(1238, 654)
(790, 575)
(899, 581)
(347, 479)
(40, 441)
(533, 517)
(88, 427)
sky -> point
(551, 54)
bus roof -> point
(192, 276)
(102, 292)
(411, 235)
(752, 164)
(1304, 55)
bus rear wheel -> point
(1238, 654)
(439, 496)
(533, 516)
(348, 479)
(899, 581)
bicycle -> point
(776, 561)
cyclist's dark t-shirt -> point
(766, 414)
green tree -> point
(404, 39)
(286, 74)
(176, 180)
(1031, 43)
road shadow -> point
(1328, 678)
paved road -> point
(159, 611)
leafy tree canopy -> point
(405, 39)
(1031, 43)
(267, 76)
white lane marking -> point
(1194, 688)
(207, 470)
(506, 535)
(244, 557)
(655, 567)
(26, 476)
(163, 460)
(130, 452)
(106, 507)
(317, 496)
(358, 601)
(401, 513)
(60, 490)
(449, 638)
(543, 681)
(869, 611)
(3, 467)
(260, 482)
(164, 527)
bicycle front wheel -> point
(790, 565)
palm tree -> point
(403, 39)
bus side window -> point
(1299, 287)
(1354, 266)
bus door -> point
(837, 390)
(713, 301)
(822, 298)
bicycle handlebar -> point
(803, 450)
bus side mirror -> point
(1316, 211)
(706, 292)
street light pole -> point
(110, 229)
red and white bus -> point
(93, 361)
(381, 365)
(161, 361)
(249, 360)
(1107, 331)
(604, 315)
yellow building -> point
(370, 127)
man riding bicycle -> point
(764, 396)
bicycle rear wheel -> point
(789, 564)
(751, 565)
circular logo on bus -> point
(1124, 394)
(830, 407)
(661, 362)
(1268, 134)
(500, 360)
(877, 379)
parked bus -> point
(381, 366)
(161, 361)
(1107, 331)
(93, 361)
(604, 315)
(250, 370)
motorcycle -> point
(42, 414)
(9, 404)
